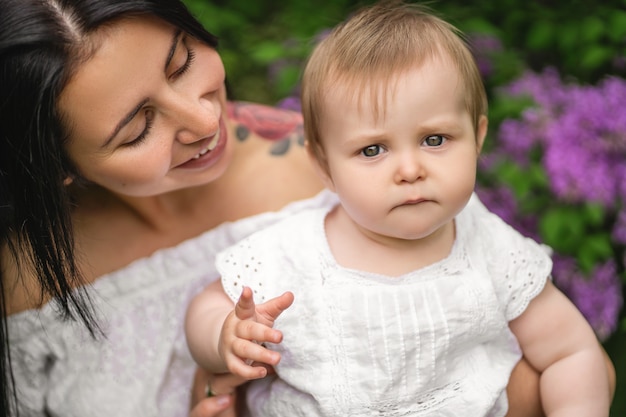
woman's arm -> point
(523, 392)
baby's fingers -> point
(250, 357)
(252, 351)
(270, 310)
(251, 330)
(245, 308)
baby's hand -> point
(246, 329)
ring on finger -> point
(209, 392)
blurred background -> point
(554, 163)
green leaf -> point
(540, 35)
(617, 26)
(287, 79)
(595, 57)
(568, 38)
(593, 250)
(592, 29)
(537, 176)
(479, 25)
(594, 213)
(267, 52)
(562, 229)
(504, 106)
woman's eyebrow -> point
(131, 114)
(173, 46)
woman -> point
(123, 170)
(116, 143)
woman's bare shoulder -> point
(22, 291)
(272, 167)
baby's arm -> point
(223, 339)
(557, 340)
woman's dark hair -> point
(41, 43)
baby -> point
(411, 298)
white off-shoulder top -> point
(142, 367)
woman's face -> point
(146, 112)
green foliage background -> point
(264, 43)
(581, 38)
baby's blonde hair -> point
(372, 47)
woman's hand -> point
(223, 387)
(523, 391)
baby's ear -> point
(320, 166)
(481, 132)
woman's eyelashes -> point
(190, 55)
(149, 115)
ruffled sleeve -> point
(246, 263)
(240, 266)
(257, 261)
(518, 266)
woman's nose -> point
(196, 119)
(409, 167)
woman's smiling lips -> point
(210, 152)
(210, 147)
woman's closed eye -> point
(182, 59)
(149, 116)
(181, 62)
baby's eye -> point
(371, 150)
(434, 140)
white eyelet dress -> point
(434, 342)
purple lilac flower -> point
(579, 175)
(516, 138)
(586, 143)
(582, 130)
(486, 161)
(483, 47)
(501, 201)
(290, 103)
(620, 172)
(618, 233)
(545, 88)
(598, 297)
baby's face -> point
(410, 170)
